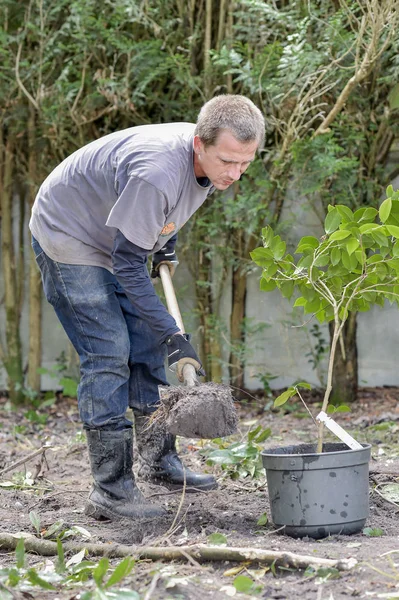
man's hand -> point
(181, 352)
(163, 257)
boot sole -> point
(101, 513)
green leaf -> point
(390, 191)
(393, 230)
(380, 237)
(121, 571)
(345, 212)
(340, 235)
(264, 435)
(287, 289)
(279, 250)
(385, 209)
(335, 256)
(366, 227)
(308, 241)
(373, 532)
(60, 567)
(243, 584)
(261, 256)
(20, 553)
(352, 245)
(267, 235)
(54, 528)
(263, 520)
(303, 384)
(365, 214)
(70, 387)
(100, 571)
(332, 221)
(270, 270)
(35, 520)
(305, 262)
(267, 286)
(35, 579)
(217, 539)
(282, 398)
(322, 260)
(301, 301)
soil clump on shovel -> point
(195, 410)
(203, 411)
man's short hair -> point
(234, 113)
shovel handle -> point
(188, 371)
(170, 296)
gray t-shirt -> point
(140, 180)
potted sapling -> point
(322, 489)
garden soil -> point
(57, 488)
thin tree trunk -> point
(35, 288)
(346, 367)
(207, 46)
(210, 350)
(13, 352)
(237, 330)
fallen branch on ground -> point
(198, 552)
(16, 464)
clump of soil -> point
(205, 411)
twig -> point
(152, 587)
(24, 460)
(199, 552)
(183, 493)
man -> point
(95, 220)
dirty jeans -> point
(121, 362)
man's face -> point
(225, 161)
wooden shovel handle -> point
(188, 371)
(170, 296)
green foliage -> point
(240, 459)
(352, 267)
(373, 532)
(94, 581)
(246, 585)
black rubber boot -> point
(114, 494)
(159, 462)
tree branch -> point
(199, 552)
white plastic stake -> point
(343, 435)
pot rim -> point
(269, 451)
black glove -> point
(181, 352)
(166, 256)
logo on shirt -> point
(168, 229)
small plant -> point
(240, 459)
(354, 266)
(94, 581)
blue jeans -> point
(121, 363)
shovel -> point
(189, 374)
(194, 410)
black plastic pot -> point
(317, 495)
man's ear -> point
(198, 145)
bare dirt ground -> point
(56, 489)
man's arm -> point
(129, 264)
